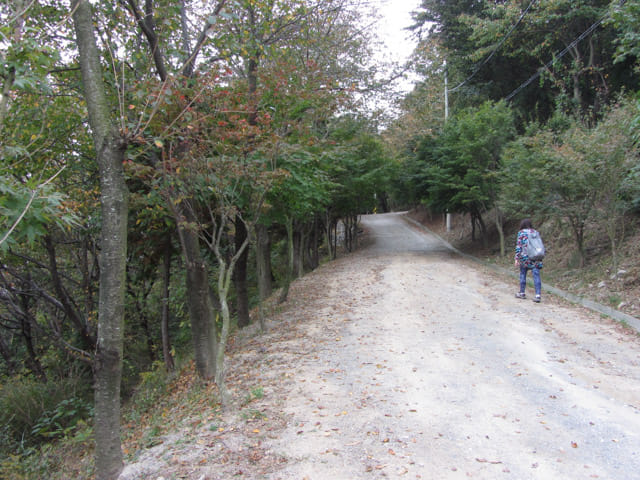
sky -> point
(396, 16)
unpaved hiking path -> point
(405, 361)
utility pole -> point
(446, 92)
(446, 116)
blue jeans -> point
(536, 279)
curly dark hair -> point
(526, 223)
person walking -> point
(525, 263)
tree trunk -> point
(298, 250)
(334, 238)
(328, 232)
(263, 269)
(201, 311)
(263, 261)
(240, 274)
(144, 323)
(483, 231)
(164, 325)
(289, 275)
(6, 355)
(113, 243)
(33, 361)
(500, 230)
(578, 231)
(82, 327)
(225, 274)
(473, 228)
(315, 245)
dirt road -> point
(433, 369)
(409, 362)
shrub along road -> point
(405, 360)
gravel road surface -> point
(421, 364)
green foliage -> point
(32, 411)
(625, 16)
(29, 213)
(63, 419)
(358, 166)
(463, 164)
(578, 175)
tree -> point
(176, 39)
(576, 174)
(626, 17)
(301, 195)
(109, 148)
(358, 168)
(615, 154)
(34, 142)
(463, 168)
(494, 47)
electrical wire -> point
(486, 60)
(560, 55)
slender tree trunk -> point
(113, 243)
(578, 230)
(88, 342)
(356, 219)
(263, 267)
(6, 355)
(225, 274)
(223, 291)
(240, 274)
(298, 249)
(201, 311)
(483, 230)
(263, 261)
(144, 323)
(164, 322)
(315, 239)
(330, 246)
(89, 267)
(473, 227)
(34, 362)
(334, 238)
(500, 230)
(289, 276)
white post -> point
(446, 92)
(446, 116)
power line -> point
(560, 55)
(479, 66)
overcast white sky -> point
(396, 16)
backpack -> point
(534, 248)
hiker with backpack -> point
(529, 254)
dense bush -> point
(32, 411)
